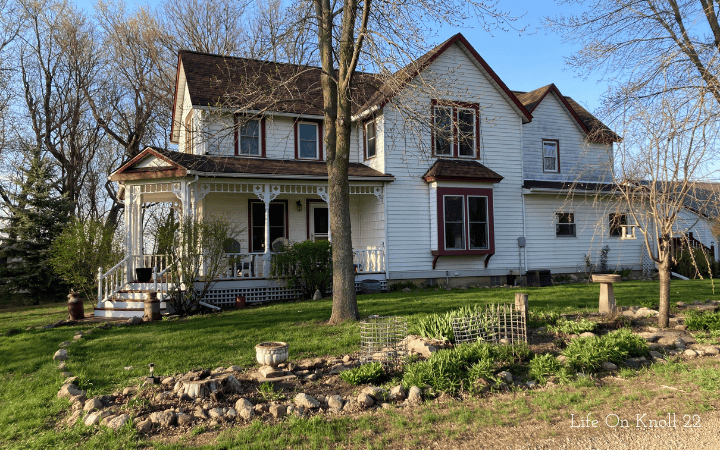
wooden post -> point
(521, 304)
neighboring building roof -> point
(182, 164)
(460, 169)
(591, 125)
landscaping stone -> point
(70, 390)
(419, 346)
(505, 375)
(118, 422)
(398, 394)
(244, 408)
(71, 379)
(365, 400)
(65, 344)
(290, 409)
(656, 355)
(711, 351)
(407, 290)
(375, 392)
(94, 418)
(73, 418)
(338, 369)
(185, 420)
(278, 411)
(317, 295)
(335, 402)
(645, 312)
(531, 384)
(690, 353)
(62, 367)
(168, 381)
(587, 334)
(60, 355)
(216, 413)
(261, 408)
(144, 426)
(236, 368)
(347, 358)
(415, 395)
(607, 365)
(231, 413)
(388, 405)
(92, 404)
(681, 327)
(306, 401)
(164, 419)
(481, 385)
(561, 358)
(135, 320)
(312, 377)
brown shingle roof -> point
(221, 166)
(460, 169)
(251, 84)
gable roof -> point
(460, 169)
(179, 164)
(591, 126)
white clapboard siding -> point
(180, 124)
(410, 227)
(567, 254)
(579, 160)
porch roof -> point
(176, 164)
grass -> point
(29, 379)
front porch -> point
(266, 211)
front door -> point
(319, 222)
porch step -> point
(124, 308)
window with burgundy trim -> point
(370, 139)
(308, 140)
(465, 221)
(551, 155)
(456, 129)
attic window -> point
(551, 155)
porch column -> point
(129, 217)
(266, 194)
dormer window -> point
(308, 140)
(551, 155)
(248, 138)
(370, 139)
(455, 130)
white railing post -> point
(100, 273)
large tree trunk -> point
(344, 297)
(664, 309)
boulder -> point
(587, 334)
(168, 381)
(94, 418)
(144, 426)
(711, 350)
(60, 355)
(335, 402)
(417, 345)
(415, 395)
(185, 420)
(92, 405)
(65, 344)
(244, 408)
(118, 422)
(607, 365)
(398, 394)
(690, 353)
(278, 411)
(365, 400)
(505, 376)
(135, 320)
(70, 390)
(375, 392)
(339, 368)
(165, 418)
(216, 413)
(656, 355)
(306, 401)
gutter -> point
(276, 176)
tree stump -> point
(203, 388)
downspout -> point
(523, 251)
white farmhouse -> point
(453, 176)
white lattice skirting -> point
(224, 297)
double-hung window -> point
(370, 140)
(551, 156)
(615, 223)
(465, 221)
(248, 138)
(308, 140)
(565, 224)
(278, 223)
(455, 130)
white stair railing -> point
(112, 281)
(369, 260)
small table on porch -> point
(607, 294)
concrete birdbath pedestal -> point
(607, 294)
(270, 355)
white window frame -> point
(367, 140)
(317, 141)
(556, 144)
(558, 223)
(474, 132)
(241, 137)
(436, 130)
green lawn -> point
(30, 380)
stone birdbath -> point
(270, 355)
(607, 294)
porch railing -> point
(245, 265)
(369, 260)
(114, 280)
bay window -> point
(465, 221)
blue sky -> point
(523, 61)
